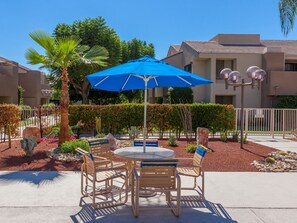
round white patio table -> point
(136, 153)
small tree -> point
(20, 95)
(181, 95)
(59, 55)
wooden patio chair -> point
(195, 170)
(156, 176)
(100, 182)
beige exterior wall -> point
(12, 75)
(8, 84)
(241, 63)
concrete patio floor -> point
(278, 142)
(50, 196)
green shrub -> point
(270, 160)
(191, 148)
(224, 136)
(9, 118)
(100, 135)
(162, 117)
(172, 141)
(70, 146)
(235, 136)
(283, 153)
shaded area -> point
(208, 212)
(37, 178)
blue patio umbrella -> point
(143, 73)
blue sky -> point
(161, 22)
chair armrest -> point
(99, 158)
(112, 168)
(184, 158)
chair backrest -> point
(100, 147)
(89, 163)
(199, 156)
(158, 174)
(147, 143)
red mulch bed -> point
(225, 156)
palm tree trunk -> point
(64, 105)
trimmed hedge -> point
(118, 118)
(10, 116)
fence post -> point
(272, 122)
(284, 112)
(40, 123)
(246, 120)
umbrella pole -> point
(144, 116)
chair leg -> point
(202, 175)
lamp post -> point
(231, 78)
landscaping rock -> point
(113, 142)
(284, 162)
(29, 132)
(202, 136)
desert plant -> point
(224, 136)
(270, 160)
(191, 148)
(70, 146)
(245, 138)
(100, 135)
(28, 145)
(133, 132)
(98, 124)
(235, 136)
(172, 141)
(283, 153)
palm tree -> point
(287, 10)
(59, 55)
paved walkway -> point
(277, 142)
(230, 197)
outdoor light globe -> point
(234, 76)
(260, 75)
(224, 74)
(251, 72)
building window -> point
(291, 67)
(188, 68)
(221, 64)
(223, 99)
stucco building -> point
(34, 83)
(238, 52)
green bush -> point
(270, 160)
(70, 146)
(164, 117)
(191, 148)
(172, 141)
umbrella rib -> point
(156, 82)
(124, 85)
(185, 80)
(101, 81)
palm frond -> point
(287, 9)
(96, 55)
(44, 40)
(33, 57)
(66, 50)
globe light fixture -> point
(231, 78)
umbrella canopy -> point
(130, 76)
(143, 73)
